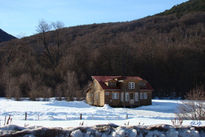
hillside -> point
(164, 49)
(186, 7)
(5, 36)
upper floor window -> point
(131, 85)
(112, 84)
(141, 84)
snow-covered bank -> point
(67, 114)
(110, 130)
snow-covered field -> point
(66, 114)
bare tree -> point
(194, 107)
(58, 30)
(53, 53)
(35, 92)
(72, 89)
(69, 89)
(58, 25)
(42, 28)
(13, 89)
(60, 91)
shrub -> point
(194, 107)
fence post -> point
(5, 121)
(8, 120)
(126, 116)
(25, 115)
(81, 116)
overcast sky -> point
(20, 17)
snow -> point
(77, 133)
(55, 113)
(106, 131)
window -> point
(131, 96)
(115, 95)
(127, 96)
(145, 95)
(96, 96)
(122, 96)
(107, 93)
(136, 96)
(131, 85)
(112, 84)
(142, 84)
(141, 95)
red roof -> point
(103, 79)
(107, 78)
(148, 86)
(104, 86)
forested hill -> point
(186, 7)
(5, 36)
(168, 50)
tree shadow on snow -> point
(76, 104)
(165, 107)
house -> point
(119, 91)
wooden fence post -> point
(5, 121)
(25, 115)
(81, 116)
(126, 116)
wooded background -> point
(167, 49)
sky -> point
(20, 17)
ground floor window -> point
(122, 96)
(131, 96)
(145, 95)
(127, 97)
(115, 95)
(96, 96)
(141, 95)
(89, 95)
(107, 93)
(136, 96)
